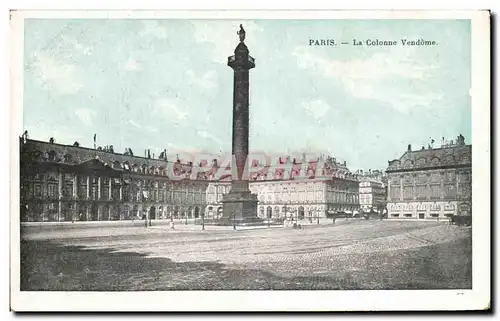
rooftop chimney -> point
(409, 147)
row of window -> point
(128, 193)
(432, 191)
(419, 215)
(432, 177)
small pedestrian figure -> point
(172, 226)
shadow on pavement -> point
(48, 266)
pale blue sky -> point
(166, 84)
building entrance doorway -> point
(421, 215)
(93, 212)
(301, 213)
(152, 213)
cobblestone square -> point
(354, 254)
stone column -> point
(401, 188)
(388, 190)
(99, 207)
(89, 181)
(240, 204)
(75, 186)
(414, 187)
(157, 200)
(60, 196)
(428, 187)
(443, 177)
(99, 181)
(76, 213)
(110, 189)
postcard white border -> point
(477, 298)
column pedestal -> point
(240, 208)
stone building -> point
(66, 183)
(372, 191)
(74, 183)
(431, 182)
(282, 196)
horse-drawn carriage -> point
(461, 220)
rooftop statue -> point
(241, 33)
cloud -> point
(75, 45)
(131, 65)
(133, 123)
(207, 82)
(222, 35)
(376, 77)
(153, 28)
(85, 115)
(316, 108)
(54, 75)
(207, 135)
(136, 125)
(170, 111)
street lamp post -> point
(317, 216)
(186, 218)
(234, 221)
(203, 221)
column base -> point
(240, 208)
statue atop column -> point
(241, 33)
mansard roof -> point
(454, 155)
(49, 153)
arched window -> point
(269, 212)
(52, 155)
(421, 161)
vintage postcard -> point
(250, 160)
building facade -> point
(73, 183)
(373, 191)
(431, 182)
(282, 194)
(293, 199)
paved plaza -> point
(352, 254)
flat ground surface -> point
(349, 255)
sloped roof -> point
(39, 151)
(433, 157)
